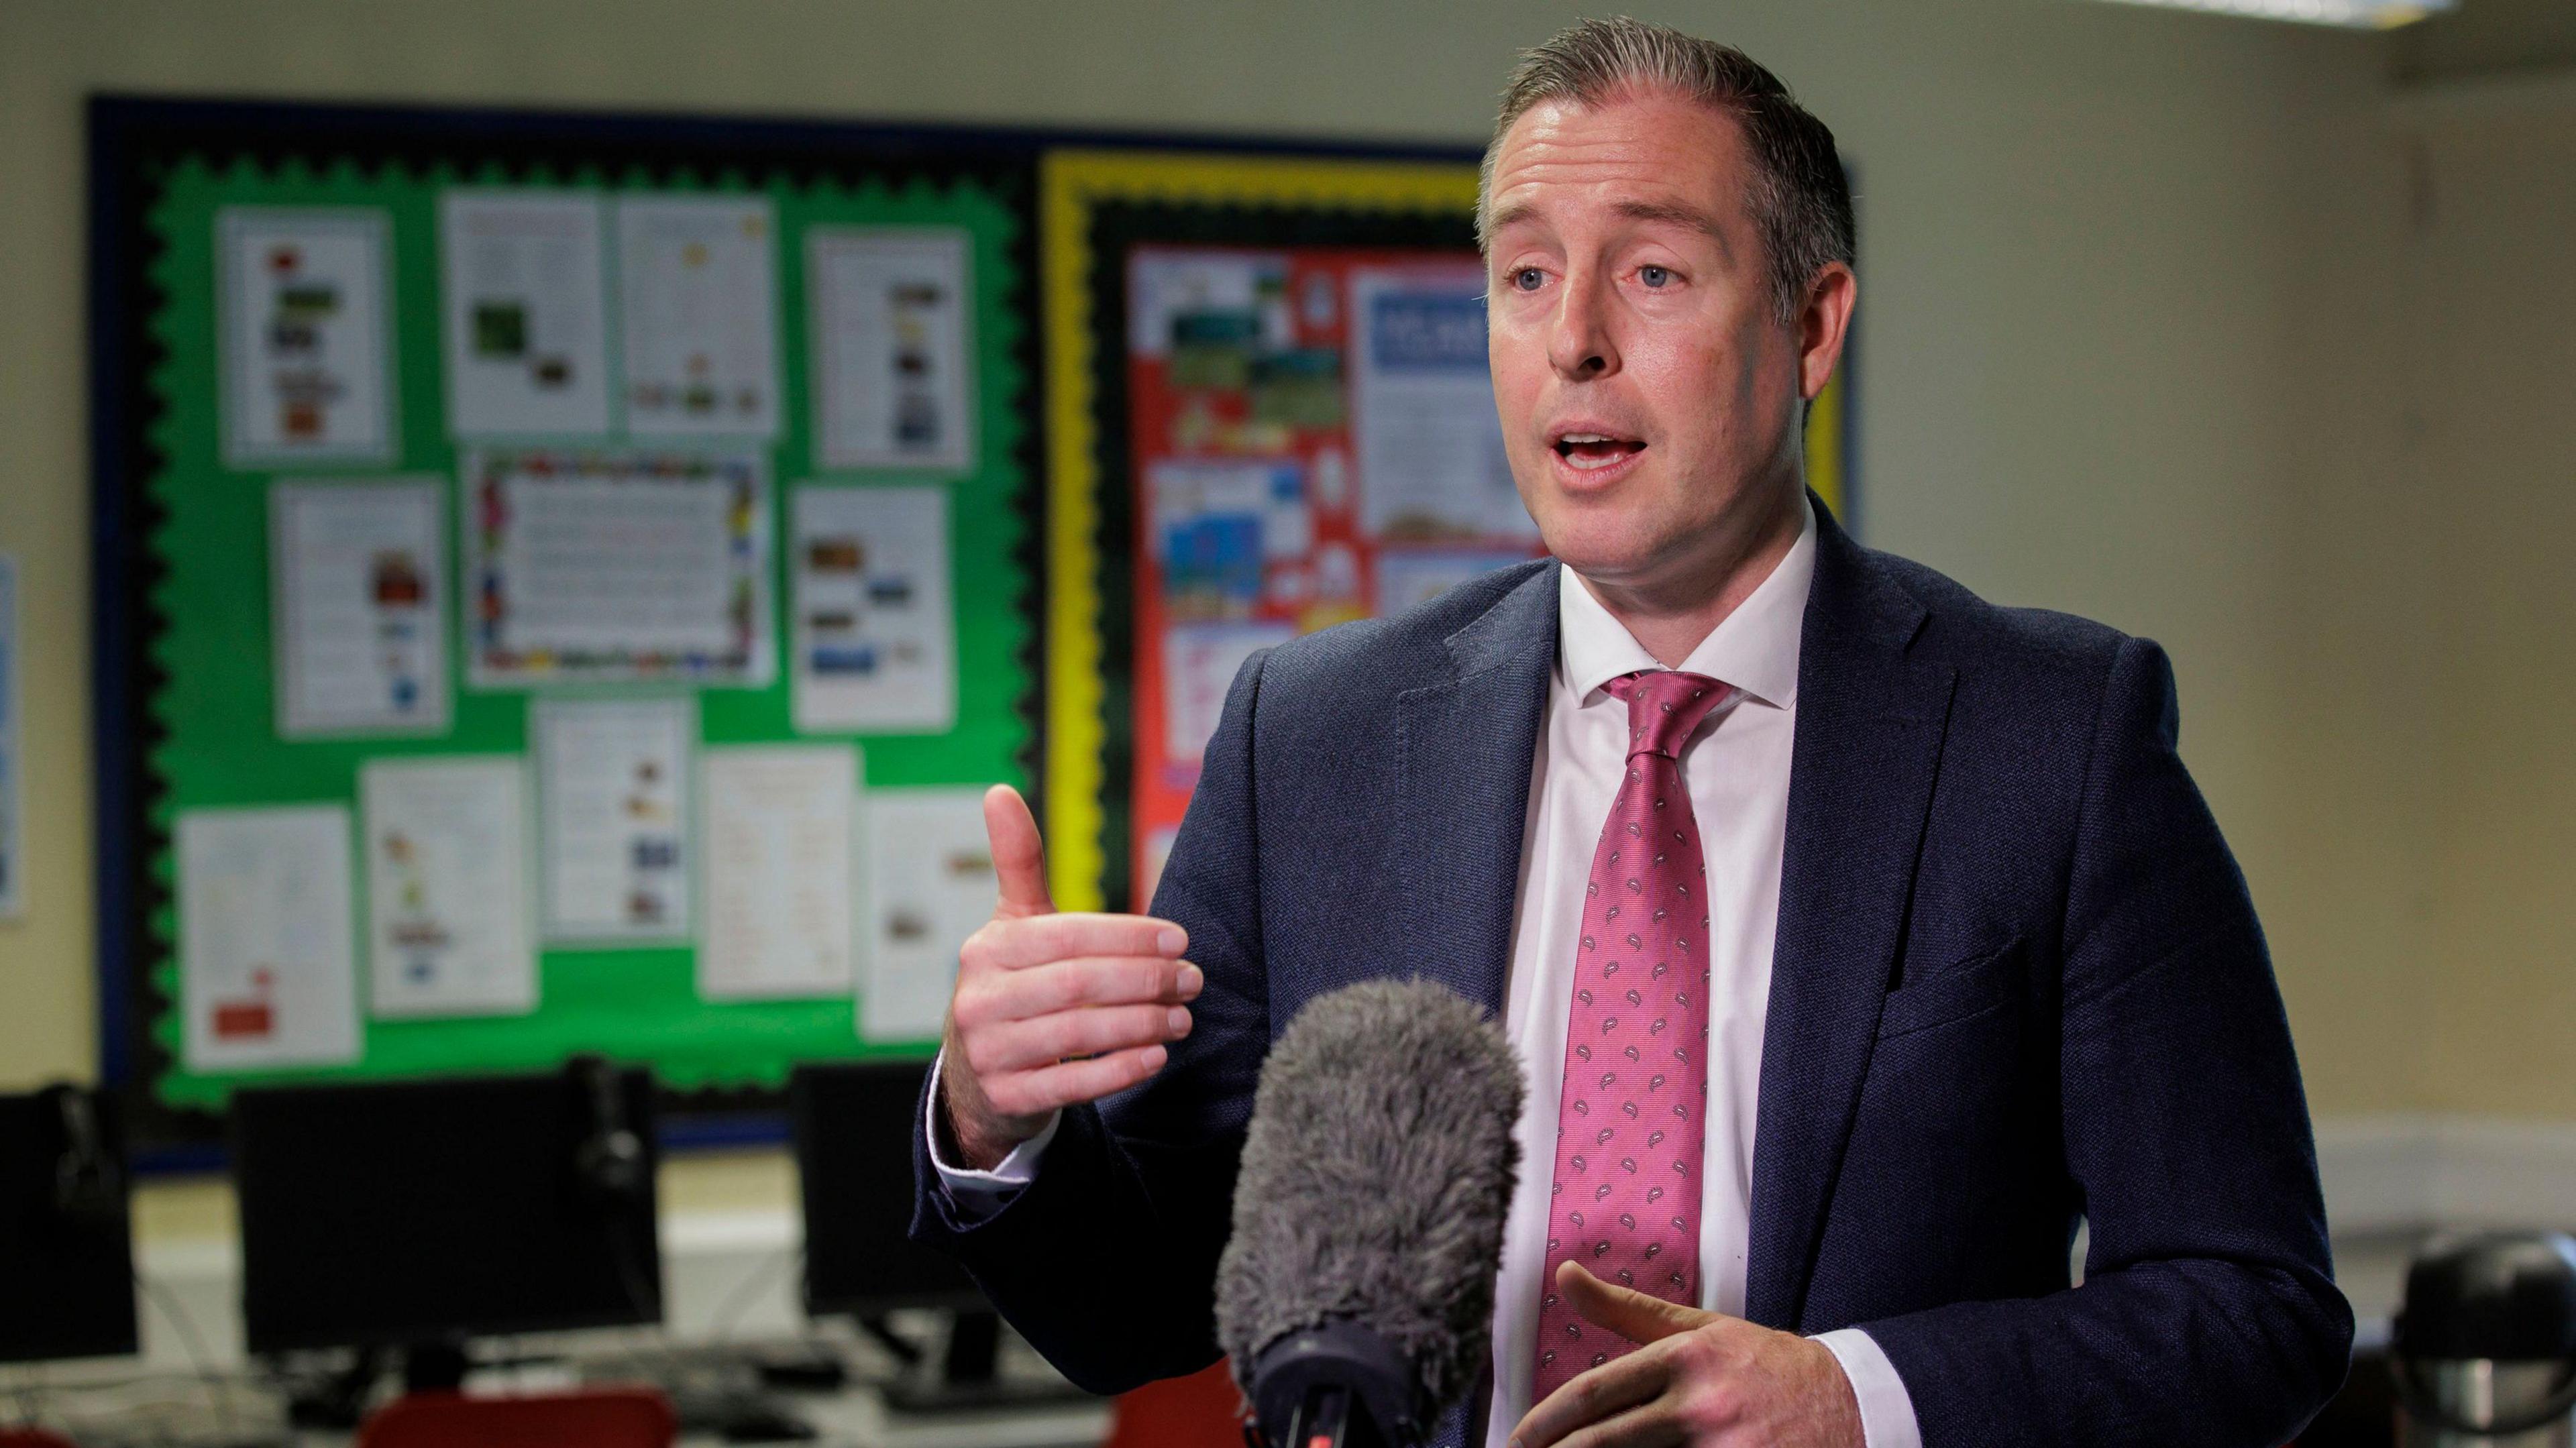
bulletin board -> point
(659, 598)
(1268, 413)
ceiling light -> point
(2352, 14)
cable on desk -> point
(226, 1417)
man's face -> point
(1647, 388)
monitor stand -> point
(337, 1402)
(967, 1381)
(435, 1367)
(340, 1402)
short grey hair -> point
(1801, 201)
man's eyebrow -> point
(1511, 215)
(1673, 213)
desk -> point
(100, 1408)
(857, 1418)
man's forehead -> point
(1643, 159)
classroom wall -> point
(2489, 301)
(2126, 332)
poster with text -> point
(527, 313)
(358, 574)
(1313, 440)
(306, 336)
(590, 565)
(892, 339)
(928, 883)
(450, 915)
(697, 284)
(614, 798)
(779, 827)
(267, 937)
(875, 631)
(1423, 428)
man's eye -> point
(1529, 278)
(1653, 276)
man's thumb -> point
(1019, 856)
(1625, 1311)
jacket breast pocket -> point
(1971, 988)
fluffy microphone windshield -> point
(1376, 1173)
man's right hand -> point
(1052, 1009)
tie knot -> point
(1665, 706)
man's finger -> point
(1017, 944)
(1019, 855)
(1051, 1088)
(1652, 1426)
(1064, 985)
(1604, 1392)
(1092, 1031)
(1629, 1313)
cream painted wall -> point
(2490, 323)
(2123, 324)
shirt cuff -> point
(1886, 1409)
(980, 1194)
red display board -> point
(1312, 440)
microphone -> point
(1356, 1295)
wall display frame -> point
(517, 257)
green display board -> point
(211, 699)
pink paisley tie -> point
(1629, 1127)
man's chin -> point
(1606, 560)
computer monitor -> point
(418, 1214)
(853, 1123)
(66, 1241)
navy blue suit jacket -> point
(2017, 982)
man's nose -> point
(1580, 347)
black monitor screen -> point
(854, 1127)
(66, 1251)
(429, 1211)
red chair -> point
(591, 1418)
(1198, 1411)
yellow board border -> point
(1071, 184)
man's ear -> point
(1824, 320)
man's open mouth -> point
(1596, 450)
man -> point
(1945, 932)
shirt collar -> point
(1755, 648)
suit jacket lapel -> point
(1468, 742)
(1868, 743)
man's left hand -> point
(1700, 1379)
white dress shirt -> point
(1736, 769)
